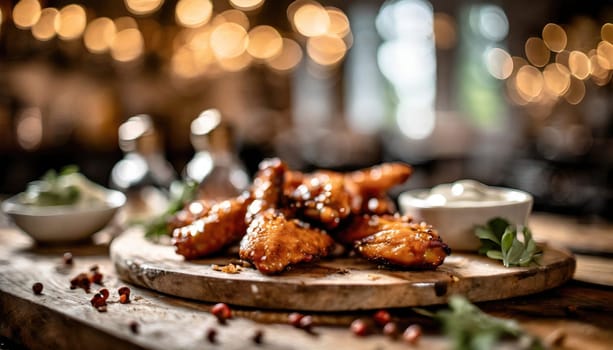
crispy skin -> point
(361, 226)
(406, 245)
(368, 187)
(273, 242)
(223, 224)
(192, 211)
(267, 188)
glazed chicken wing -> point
(403, 244)
(361, 226)
(273, 242)
(223, 224)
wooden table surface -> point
(578, 314)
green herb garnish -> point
(180, 194)
(52, 189)
(500, 241)
(472, 329)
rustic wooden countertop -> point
(578, 314)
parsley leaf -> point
(500, 240)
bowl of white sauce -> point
(455, 209)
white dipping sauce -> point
(468, 193)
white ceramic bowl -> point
(456, 220)
(63, 223)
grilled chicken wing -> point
(403, 244)
(267, 188)
(223, 224)
(273, 242)
(361, 226)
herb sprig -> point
(180, 194)
(500, 241)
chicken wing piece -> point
(322, 198)
(223, 224)
(192, 211)
(267, 188)
(364, 225)
(406, 245)
(272, 242)
(379, 178)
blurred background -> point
(510, 93)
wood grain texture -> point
(336, 284)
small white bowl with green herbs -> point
(64, 207)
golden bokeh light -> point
(499, 63)
(579, 64)
(229, 40)
(605, 50)
(99, 35)
(537, 52)
(29, 128)
(326, 50)
(264, 42)
(235, 64)
(200, 39)
(246, 5)
(556, 78)
(606, 32)
(70, 22)
(529, 82)
(513, 94)
(518, 62)
(183, 65)
(311, 19)
(445, 36)
(143, 7)
(44, 29)
(128, 45)
(193, 13)
(234, 16)
(339, 23)
(288, 59)
(554, 37)
(126, 22)
(600, 75)
(26, 13)
(576, 92)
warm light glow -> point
(499, 63)
(44, 29)
(326, 49)
(554, 37)
(246, 5)
(606, 32)
(99, 35)
(580, 65)
(234, 16)
(537, 52)
(264, 42)
(122, 23)
(576, 92)
(518, 62)
(600, 75)
(339, 23)
(26, 13)
(235, 64)
(529, 81)
(605, 50)
(311, 19)
(513, 94)
(70, 22)
(182, 64)
(229, 40)
(30, 128)
(444, 31)
(193, 13)
(128, 45)
(143, 7)
(557, 79)
(288, 59)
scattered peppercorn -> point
(294, 319)
(134, 328)
(123, 299)
(221, 311)
(412, 334)
(211, 335)
(359, 327)
(382, 317)
(67, 258)
(104, 292)
(390, 329)
(258, 336)
(98, 301)
(95, 277)
(306, 323)
(81, 281)
(37, 288)
(124, 291)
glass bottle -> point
(215, 165)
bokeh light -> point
(288, 59)
(537, 52)
(70, 22)
(229, 40)
(529, 81)
(556, 78)
(235, 64)
(143, 7)
(26, 13)
(126, 22)
(326, 50)
(605, 50)
(339, 23)
(264, 42)
(499, 63)
(554, 37)
(128, 45)
(193, 13)
(606, 32)
(30, 128)
(576, 92)
(44, 29)
(246, 5)
(579, 64)
(234, 16)
(311, 19)
(99, 35)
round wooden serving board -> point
(336, 284)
